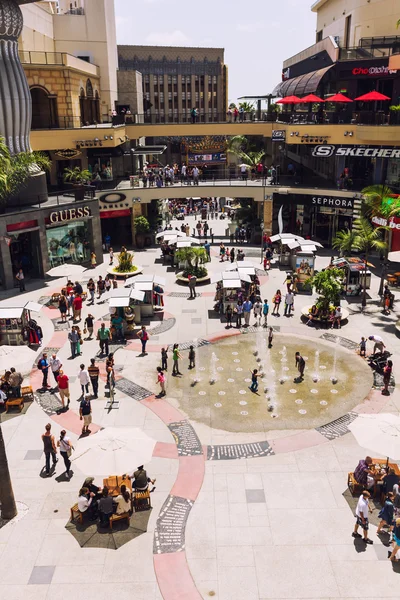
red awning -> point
(311, 98)
(289, 100)
(113, 214)
(23, 225)
(338, 98)
(372, 97)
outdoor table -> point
(114, 482)
(381, 462)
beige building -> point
(68, 50)
(350, 20)
(175, 80)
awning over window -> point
(303, 85)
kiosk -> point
(354, 268)
(153, 288)
(17, 328)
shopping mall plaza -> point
(252, 423)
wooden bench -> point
(115, 518)
(353, 485)
(27, 392)
(15, 402)
(141, 500)
(76, 514)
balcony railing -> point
(184, 118)
(371, 48)
(73, 11)
(58, 58)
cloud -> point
(249, 27)
(173, 38)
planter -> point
(185, 281)
(111, 271)
(79, 192)
(140, 240)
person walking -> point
(247, 306)
(89, 326)
(192, 286)
(84, 379)
(55, 365)
(387, 374)
(63, 387)
(195, 174)
(103, 335)
(300, 364)
(94, 374)
(101, 286)
(161, 381)
(257, 311)
(289, 302)
(43, 365)
(176, 355)
(265, 312)
(192, 358)
(254, 381)
(144, 338)
(15, 382)
(20, 277)
(65, 445)
(49, 448)
(91, 286)
(111, 254)
(277, 299)
(85, 414)
(362, 521)
(386, 514)
(73, 338)
(396, 540)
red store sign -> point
(373, 71)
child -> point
(161, 381)
(363, 347)
(265, 262)
(192, 357)
(164, 356)
(254, 380)
(270, 337)
(265, 312)
(111, 256)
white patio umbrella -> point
(379, 433)
(190, 240)
(113, 451)
(170, 233)
(66, 270)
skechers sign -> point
(329, 150)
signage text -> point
(69, 214)
(329, 150)
(335, 202)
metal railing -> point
(73, 11)
(187, 118)
(362, 117)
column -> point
(15, 98)
(46, 266)
(5, 258)
(268, 204)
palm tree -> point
(76, 175)
(7, 500)
(365, 238)
(237, 144)
(379, 201)
(16, 170)
(252, 158)
(345, 241)
(247, 107)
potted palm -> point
(78, 177)
(142, 226)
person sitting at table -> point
(124, 504)
(87, 503)
(88, 483)
(106, 507)
(312, 314)
(363, 474)
(140, 481)
(389, 481)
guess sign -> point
(69, 214)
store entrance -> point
(120, 231)
(326, 222)
(25, 254)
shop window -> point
(69, 243)
(44, 109)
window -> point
(347, 31)
(319, 36)
(169, 79)
(69, 242)
(147, 78)
(160, 79)
(174, 79)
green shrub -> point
(141, 225)
(125, 263)
(197, 271)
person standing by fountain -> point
(164, 359)
(254, 380)
(161, 381)
(265, 312)
(300, 364)
(257, 311)
(277, 299)
(228, 315)
(176, 355)
(270, 337)
(144, 338)
(289, 304)
(387, 374)
(247, 306)
(192, 286)
(192, 358)
(239, 313)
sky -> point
(257, 37)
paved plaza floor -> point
(243, 508)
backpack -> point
(41, 364)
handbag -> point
(84, 331)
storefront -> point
(48, 237)
(313, 217)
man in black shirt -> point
(300, 364)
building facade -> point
(175, 80)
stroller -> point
(378, 361)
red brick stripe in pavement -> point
(174, 578)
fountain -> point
(270, 390)
(334, 378)
(283, 377)
(260, 346)
(316, 376)
(213, 368)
